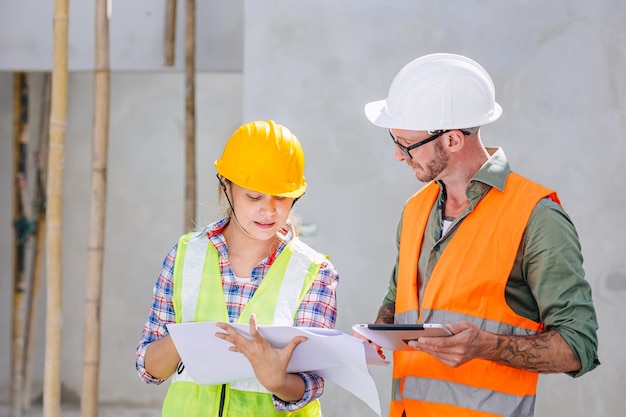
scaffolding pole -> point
(190, 115)
(93, 296)
(54, 224)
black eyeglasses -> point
(406, 150)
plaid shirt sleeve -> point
(161, 313)
(318, 309)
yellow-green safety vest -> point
(199, 296)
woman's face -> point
(260, 215)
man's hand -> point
(544, 352)
(379, 349)
(467, 342)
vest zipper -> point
(222, 398)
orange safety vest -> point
(468, 283)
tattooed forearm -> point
(522, 353)
(386, 313)
(546, 353)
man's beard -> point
(435, 166)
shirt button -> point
(436, 248)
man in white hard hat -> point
(481, 249)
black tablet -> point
(397, 336)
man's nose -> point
(399, 155)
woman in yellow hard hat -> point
(248, 267)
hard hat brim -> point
(376, 112)
(293, 194)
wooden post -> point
(93, 296)
(54, 226)
(21, 233)
(190, 115)
(169, 38)
(41, 157)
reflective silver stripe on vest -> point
(287, 304)
(288, 299)
(445, 392)
(441, 316)
(193, 267)
(407, 317)
(396, 394)
(251, 384)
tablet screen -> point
(397, 336)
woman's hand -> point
(269, 364)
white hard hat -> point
(437, 92)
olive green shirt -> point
(547, 283)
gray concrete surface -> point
(558, 69)
(72, 410)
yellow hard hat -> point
(265, 157)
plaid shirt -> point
(318, 308)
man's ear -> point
(454, 140)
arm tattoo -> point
(530, 353)
(386, 313)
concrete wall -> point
(136, 35)
(312, 65)
(145, 211)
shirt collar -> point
(214, 233)
(216, 228)
(285, 233)
(495, 171)
(492, 174)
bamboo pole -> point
(21, 232)
(54, 211)
(93, 296)
(190, 114)
(34, 289)
(169, 38)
